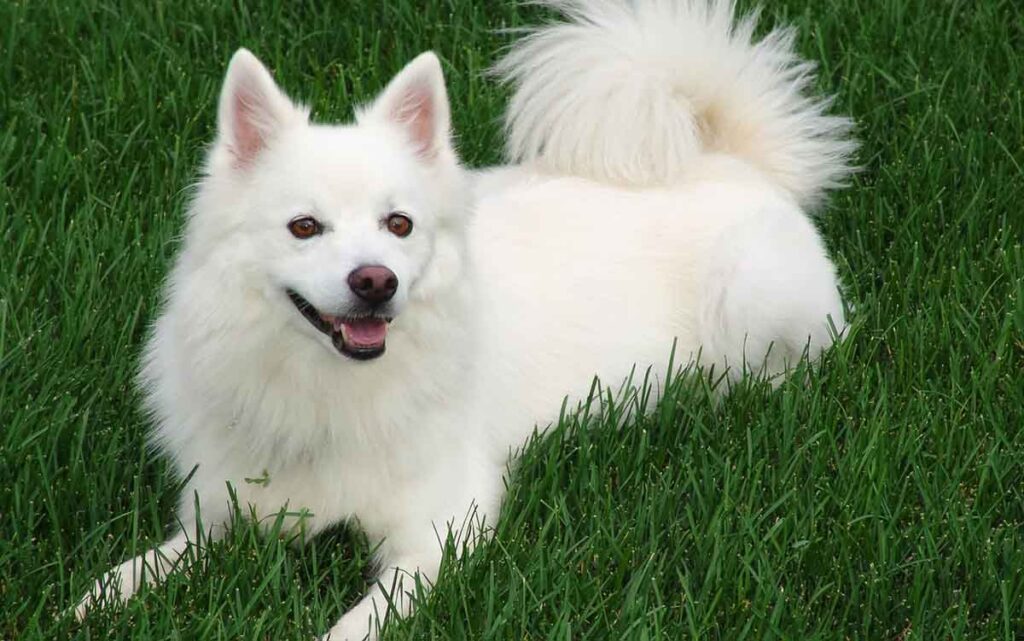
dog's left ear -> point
(416, 101)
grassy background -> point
(883, 501)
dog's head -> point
(337, 229)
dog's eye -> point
(304, 227)
(399, 224)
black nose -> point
(373, 283)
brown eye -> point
(400, 225)
(304, 227)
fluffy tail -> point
(633, 91)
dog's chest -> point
(422, 476)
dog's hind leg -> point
(770, 297)
(120, 583)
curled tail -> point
(634, 91)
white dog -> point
(370, 329)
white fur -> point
(633, 92)
(517, 286)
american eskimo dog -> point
(371, 328)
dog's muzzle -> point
(359, 336)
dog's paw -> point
(94, 598)
(116, 586)
(354, 626)
(79, 610)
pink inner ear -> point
(247, 136)
(416, 112)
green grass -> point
(883, 500)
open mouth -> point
(358, 337)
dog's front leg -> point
(391, 596)
(123, 581)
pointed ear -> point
(252, 109)
(416, 101)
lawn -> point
(882, 497)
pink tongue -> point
(366, 332)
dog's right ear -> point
(417, 103)
(253, 110)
